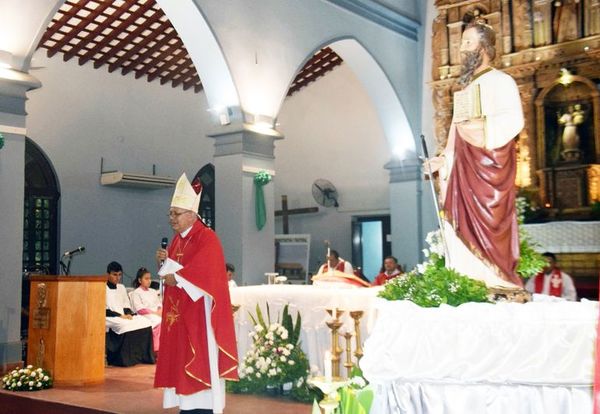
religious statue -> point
(592, 17)
(567, 20)
(570, 138)
(542, 18)
(477, 169)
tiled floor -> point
(129, 390)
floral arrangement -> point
(431, 284)
(275, 363)
(530, 262)
(27, 379)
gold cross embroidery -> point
(173, 314)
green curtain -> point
(261, 179)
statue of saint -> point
(567, 20)
(570, 138)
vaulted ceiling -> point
(135, 36)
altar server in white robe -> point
(128, 336)
(146, 302)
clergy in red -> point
(198, 346)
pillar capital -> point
(245, 139)
(404, 170)
(13, 89)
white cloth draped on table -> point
(311, 302)
(482, 358)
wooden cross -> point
(285, 213)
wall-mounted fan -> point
(324, 193)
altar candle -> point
(327, 366)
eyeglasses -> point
(175, 214)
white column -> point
(411, 211)
(13, 88)
(240, 153)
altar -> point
(311, 302)
(528, 358)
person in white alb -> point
(145, 302)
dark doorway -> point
(371, 242)
(206, 175)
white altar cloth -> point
(482, 358)
(311, 302)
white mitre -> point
(185, 196)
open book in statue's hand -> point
(467, 104)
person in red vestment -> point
(198, 345)
(552, 281)
(390, 270)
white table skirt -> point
(482, 358)
(311, 302)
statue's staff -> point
(436, 204)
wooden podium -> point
(67, 327)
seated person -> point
(336, 263)
(552, 281)
(389, 270)
(128, 336)
(230, 270)
(338, 272)
(145, 302)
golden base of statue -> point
(502, 294)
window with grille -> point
(40, 221)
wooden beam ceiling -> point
(136, 36)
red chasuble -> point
(183, 360)
(480, 204)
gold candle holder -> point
(336, 350)
(348, 364)
(356, 315)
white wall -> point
(331, 131)
(80, 115)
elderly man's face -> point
(180, 219)
(471, 54)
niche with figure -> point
(568, 142)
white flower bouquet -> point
(27, 379)
(275, 360)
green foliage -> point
(434, 286)
(530, 261)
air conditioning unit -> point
(121, 179)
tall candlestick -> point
(348, 364)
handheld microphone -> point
(80, 249)
(163, 244)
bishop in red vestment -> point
(197, 333)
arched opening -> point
(41, 204)
(40, 223)
(206, 176)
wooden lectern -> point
(67, 327)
